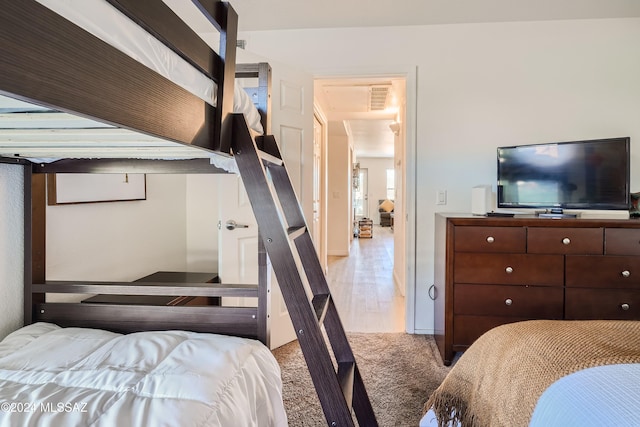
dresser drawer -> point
(509, 269)
(622, 241)
(543, 240)
(600, 271)
(490, 239)
(466, 329)
(499, 300)
(602, 304)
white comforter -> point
(52, 376)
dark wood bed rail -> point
(238, 321)
(190, 166)
(261, 94)
(241, 321)
(148, 288)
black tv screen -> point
(592, 174)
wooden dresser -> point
(491, 270)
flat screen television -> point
(590, 174)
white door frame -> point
(318, 114)
(410, 129)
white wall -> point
(480, 86)
(377, 185)
(202, 219)
(339, 230)
(119, 240)
(11, 248)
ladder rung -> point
(295, 232)
(320, 304)
(266, 157)
(346, 376)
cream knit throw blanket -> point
(498, 380)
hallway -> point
(362, 285)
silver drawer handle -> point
(626, 273)
(509, 270)
(490, 239)
(566, 241)
(625, 307)
(508, 301)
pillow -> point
(386, 205)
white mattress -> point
(51, 376)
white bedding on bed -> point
(601, 396)
(52, 376)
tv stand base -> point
(556, 213)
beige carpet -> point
(399, 371)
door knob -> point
(232, 225)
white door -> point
(292, 126)
(238, 234)
(361, 195)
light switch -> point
(441, 198)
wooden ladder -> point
(304, 287)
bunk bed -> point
(127, 364)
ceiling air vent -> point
(378, 97)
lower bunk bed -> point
(52, 376)
(544, 373)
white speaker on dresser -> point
(481, 199)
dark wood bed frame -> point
(46, 60)
(42, 62)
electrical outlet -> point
(441, 197)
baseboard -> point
(398, 285)
(337, 253)
(423, 331)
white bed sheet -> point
(52, 376)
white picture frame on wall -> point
(73, 188)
